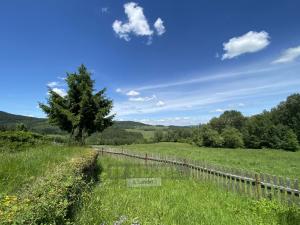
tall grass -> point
(176, 201)
(276, 162)
(17, 169)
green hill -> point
(41, 125)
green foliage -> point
(261, 132)
(232, 138)
(21, 127)
(80, 112)
(211, 138)
(289, 140)
(50, 200)
(158, 136)
(288, 113)
(230, 118)
(12, 141)
(116, 136)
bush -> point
(158, 136)
(232, 138)
(211, 138)
(21, 127)
(289, 141)
(52, 199)
(19, 140)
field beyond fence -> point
(255, 185)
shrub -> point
(158, 136)
(19, 140)
(289, 141)
(232, 138)
(21, 127)
(52, 198)
(211, 138)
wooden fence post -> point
(146, 158)
(257, 186)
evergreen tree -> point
(80, 112)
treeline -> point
(116, 136)
(278, 129)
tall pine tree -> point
(80, 112)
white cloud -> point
(160, 103)
(159, 26)
(288, 55)
(177, 121)
(192, 99)
(137, 22)
(247, 43)
(52, 84)
(142, 99)
(206, 78)
(118, 90)
(133, 93)
(60, 91)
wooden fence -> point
(256, 185)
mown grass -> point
(20, 168)
(176, 201)
(275, 162)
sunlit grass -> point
(17, 169)
(177, 201)
(276, 162)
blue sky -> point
(163, 62)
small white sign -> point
(143, 182)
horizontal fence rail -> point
(252, 184)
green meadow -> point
(176, 201)
(24, 167)
(270, 161)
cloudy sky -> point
(163, 62)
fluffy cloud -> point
(60, 91)
(288, 55)
(133, 93)
(137, 24)
(247, 43)
(118, 90)
(160, 103)
(159, 26)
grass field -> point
(275, 162)
(176, 201)
(17, 169)
(147, 134)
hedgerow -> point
(12, 141)
(52, 199)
